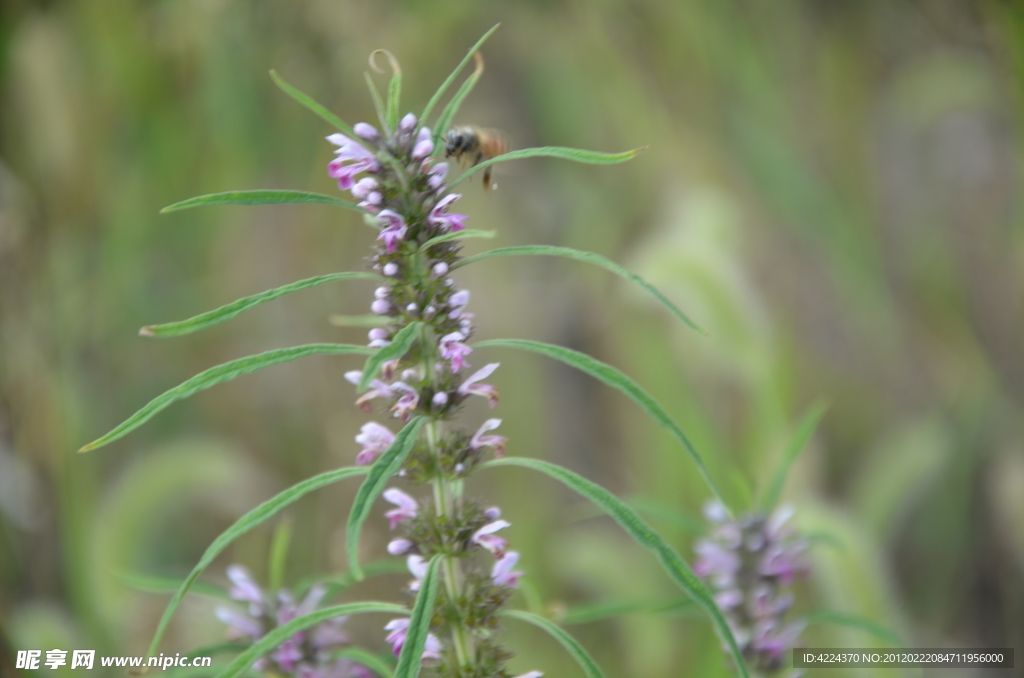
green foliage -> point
(376, 663)
(457, 235)
(253, 518)
(590, 258)
(796, 446)
(394, 87)
(154, 583)
(275, 196)
(398, 347)
(617, 380)
(228, 311)
(572, 646)
(286, 631)
(444, 120)
(852, 621)
(574, 154)
(411, 657)
(219, 374)
(674, 565)
(386, 466)
(312, 105)
(279, 554)
(586, 614)
(451, 78)
(378, 103)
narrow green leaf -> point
(253, 518)
(386, 466)
(228, 311)
(216, 375)
(456, 235)
(153, 583)
(796, 446)
(590, 258)
(572, 646)
(616, 379)
(394, 85)
(454, 74)
(379, 665)
(574, 154)
(367, 320)
(585, 614)
(444, 120)
(674, 565)
(854, 622)
(312, 105)
(398, 347)
(419, 623)
(273, 196)
(378, 104)
(282, 633)
(279, 554)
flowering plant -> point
(418, 367)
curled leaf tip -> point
(395, 67)
(146, 331)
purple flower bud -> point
(429, 312)
(377, 334)
(364, 187)
(390, 269)
(440, 268)
(492, 513)
(375, 198)
(381, 292)
(412, 308)
(408, 123)
(422, 149)
(380, 307)
(397, 547)
(440, 399)
(366, 131)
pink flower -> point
(397, 547)
(480, 440)
(502, 573)
(375, 440)
(394, 230)
(472, 386)
(349, 151)
(452, 348)
(245, 588)
(378, 389)
(457, 302)
(400, 629)
(531, 674)
(486, 538)
(365, 131)
(418, 567)
(407, 122)
(447, 222)
(408, 402)
(407, 506)
(239, 625)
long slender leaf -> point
(278, 561)
(272, 196)
(386, 466)
(457, 235)
(855, 622)
(394, 86)
(585, 614)
(590, 258)
(616, 379)
(398, 347)
(574, 154)
(153, 583)
(674, 565)
(572, 646)
(411, 657)
(286, 631)
(312, 105)
(228, 311)
(367, 320)
(796, 446)
(379, 665)
(378, 103)
(253, 518)
(444, 120)
(454, 74)
(216, 375)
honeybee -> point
(475, 145)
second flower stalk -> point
(404, 194)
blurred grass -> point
(831, 190)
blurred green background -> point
(831, 189)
